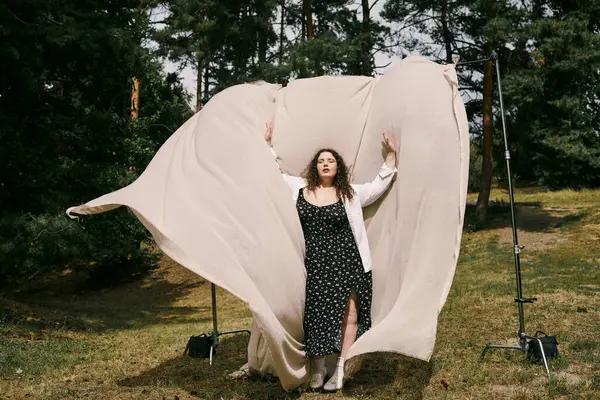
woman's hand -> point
(390, 147)
(268, 132)
(390, 159)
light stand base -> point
(215, 337)
(521, 347)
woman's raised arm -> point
(368, 193)
(293, 182)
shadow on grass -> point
(383, 376)
(530, 216)
(198, 378)
(133, 305)
(34, 328)
(391, 376)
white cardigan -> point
(365, 194)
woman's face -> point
(326, 165)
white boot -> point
(337, 381)
(317, 373)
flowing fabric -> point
(215, 201)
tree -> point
(555, 92)
(307, 14)
(549, 53)
(344, 38)
(472, 30)
(228, 42)
(67, 134)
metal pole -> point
(516, 248)
(523, 337)
(215, 333)
(214, 307)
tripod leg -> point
(235, 331)
(544, 358)
(498, 346)
(487, 347)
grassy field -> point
(126, 342)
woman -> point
(338, 261)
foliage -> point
(66, 132)
(67, 67)
(550, 57)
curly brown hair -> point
(341, 181)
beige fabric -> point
(216, 203)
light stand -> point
(215, 333)
(524, 339)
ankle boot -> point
(317, 372)
(337, 381)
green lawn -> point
(58, 342)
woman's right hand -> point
(268, 132)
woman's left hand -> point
(268, 132)
(390, 159)
(391, 148)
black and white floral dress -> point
(334, 268)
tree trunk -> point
(281, 32)
(135, 99)
(307, 11)
(367, 40)
(241, 59)
(199, 84)
(263, 33)
(447, 36)
(488, 135)
(207, 79)
(303, 26)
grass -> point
(126, 342)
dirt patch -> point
(561, 209)
(567, 378)
(569, 298)
(538, 228)
(536, 241)
(570, 379)
(507, 390)
(592, 287)
(592, 232)
(513, 392)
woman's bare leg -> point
(349, 331)
(350, 324)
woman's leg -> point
(349, 331)
(350, 324)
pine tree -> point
(555, 94)
(67, 134)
